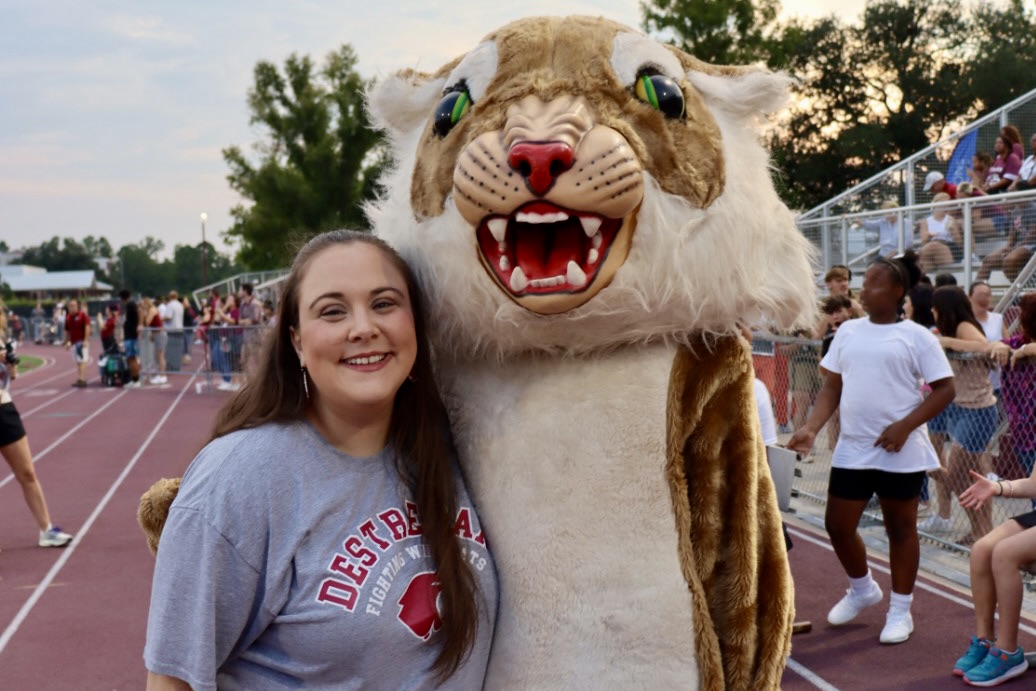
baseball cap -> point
(932, 178)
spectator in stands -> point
(941, 242)
(269, 315)
(1016, 355)
(1027, 173)
(979, 169)
(992, 323)
(1016, 252)
(872, 371)
(887, 227)
(1013, 136)
(1005, 168)
(993, 655)
(917, 307)
(945, 279)
(837, 281)
(935, 183)
(972, 418)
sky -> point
(114, 114)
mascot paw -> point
(154, 508)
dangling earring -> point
(305, 383)
(411, 377)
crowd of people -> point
(925, 385)
(939, 236)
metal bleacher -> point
(835, 227)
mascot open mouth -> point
(543, 249)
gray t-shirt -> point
(285, 563)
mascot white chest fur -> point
(591, 215)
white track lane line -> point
(67, 552)
(919, 584)
(810, 676)
(37, 456)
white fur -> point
(579, 518)
(477, 69)
(632, 51)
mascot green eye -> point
(453, 106)
(662, 93)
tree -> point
(723, 32)
(313, 170)
(876, 92)
(59, 255)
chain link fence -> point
(979, 440)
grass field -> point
(28, 363)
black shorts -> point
(11, 429)
(1027, 520)
(861, 485)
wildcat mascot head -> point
(585, 207)
(572, 171)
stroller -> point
(113, 365)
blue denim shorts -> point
(971, 428)
(130, 347)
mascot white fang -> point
(591, 215)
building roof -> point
(66, 281)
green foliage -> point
(314, 167)
(869, 93)
(722, 32)
(58, 255)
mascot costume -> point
(591, 215)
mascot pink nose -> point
(540, 163)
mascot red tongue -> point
(591, 215)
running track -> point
(75, 618)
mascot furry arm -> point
(590, 215)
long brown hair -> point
(418, 434)
(953, 308)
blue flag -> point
(960, 161)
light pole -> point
(204, 253)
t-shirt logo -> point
(419, 605)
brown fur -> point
(154, 509)
(731, 545)
(531, 62)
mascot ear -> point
(742, 92)
(154, 509)
(404, 100)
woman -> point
(159, 339)
(997, 558)
(1005, 168)
(872, 371)
(14, 447)
(971, 419)
(223, 338)
(940, 237)
(329, 504)
(979, 169)
(1017, 358)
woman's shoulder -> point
(245, 462)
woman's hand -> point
(802, 441)
(1026, 351)
(894, 436)
(976, 495)
(1001, 352)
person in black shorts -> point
(14, 447)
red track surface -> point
(75, 618)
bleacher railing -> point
(904, 181)
(984, 225)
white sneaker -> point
(159, 380)
(898, 627)
(935, 524)
(54, 537)
(133, 385)
(226, 386)
(852, 604)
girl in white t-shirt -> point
(871, 373)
